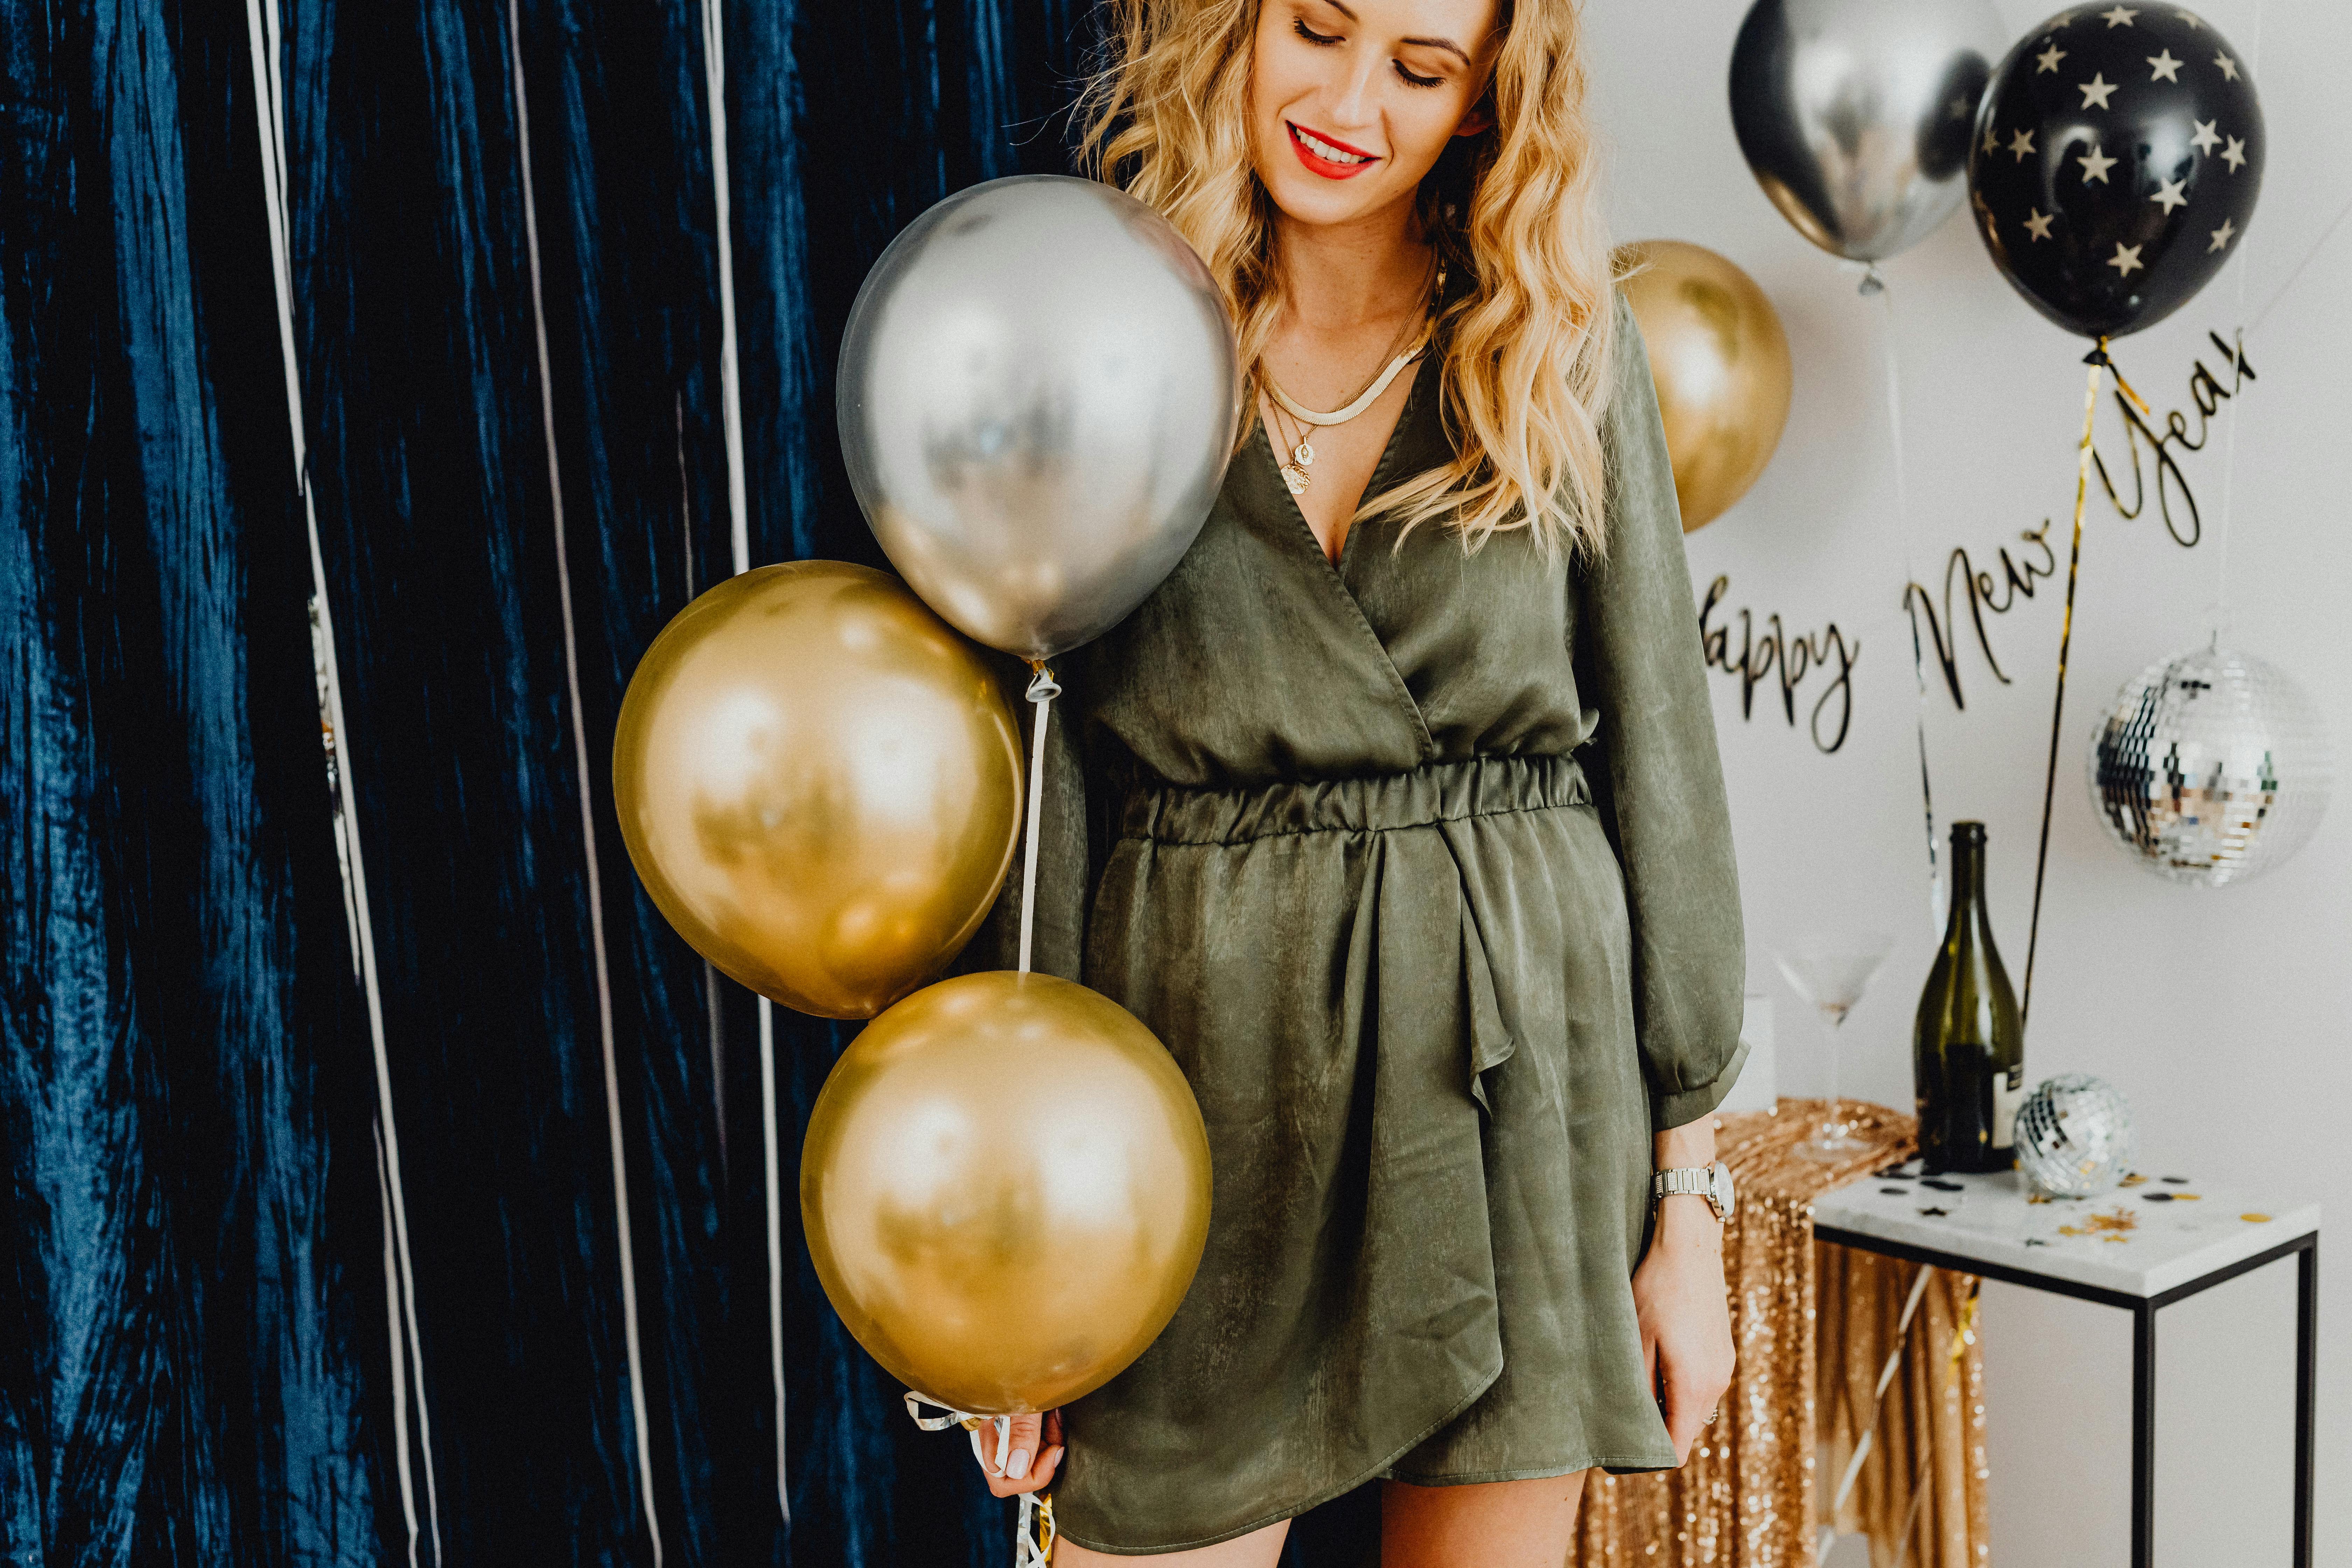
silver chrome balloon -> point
(2074, 1136)
(2211, 767)
(1855, 115)
(1037, 397)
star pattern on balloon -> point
(2124, 147)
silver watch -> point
(1712, 1182)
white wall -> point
(2222, 1015)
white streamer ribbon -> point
(1878, 1397)
(1034, 1534)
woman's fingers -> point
(1032, 1451)
(1694, 1385)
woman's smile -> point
(1331, 159)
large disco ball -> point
(2073, 1136)
(2211, 767)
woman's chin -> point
(1305, 197)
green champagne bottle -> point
(1969, 1049)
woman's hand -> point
(1032, 1455)
(1679, 1298)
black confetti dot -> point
(1896, 1192)
(2177, 1180)
(1935, 1213)
(2158, 1198)
(1943, 1186)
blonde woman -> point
(1396, 813)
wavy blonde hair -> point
(1525, 335)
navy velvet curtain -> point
(219, 1342)
(196, 1347)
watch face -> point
(1718, 1189)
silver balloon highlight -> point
(1037, 397)
(1855, 115)
(2211, 767)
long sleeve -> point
(1064, 862)
(1660, 787)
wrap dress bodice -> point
(1419, 866)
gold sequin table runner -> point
(1815, 1325)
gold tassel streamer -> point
(2100, 363)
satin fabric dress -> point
(1419, 866)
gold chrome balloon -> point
(820, 784)
(1005, 1190)
(1720, 361)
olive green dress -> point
(1420, 866)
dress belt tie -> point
(1447, 796)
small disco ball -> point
(2211, 767)
(2073, 1136)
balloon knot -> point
(1042, 687)
(1872, 282)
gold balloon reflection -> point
(820, 784)
(1005, 1190)
(1720, 361)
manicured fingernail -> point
(1019, 1468)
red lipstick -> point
(1323, 166)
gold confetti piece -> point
(2134, 1179)
(2186, 1197)
(2255, 1218)
(2106, 1227)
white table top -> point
(2165, 1228)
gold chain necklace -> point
(1296, 474)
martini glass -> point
(1832, 975)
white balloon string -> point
(641, 1421)
(1043, 689)
(739, 535)
(264, 37)
(1935, 892)
(2221, 611)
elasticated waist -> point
(1440, 792)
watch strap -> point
(1692, 1179)
(1697, 1180)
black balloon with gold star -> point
(2118, 152)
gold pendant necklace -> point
(1296, 474)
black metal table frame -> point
(2144, 1310)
